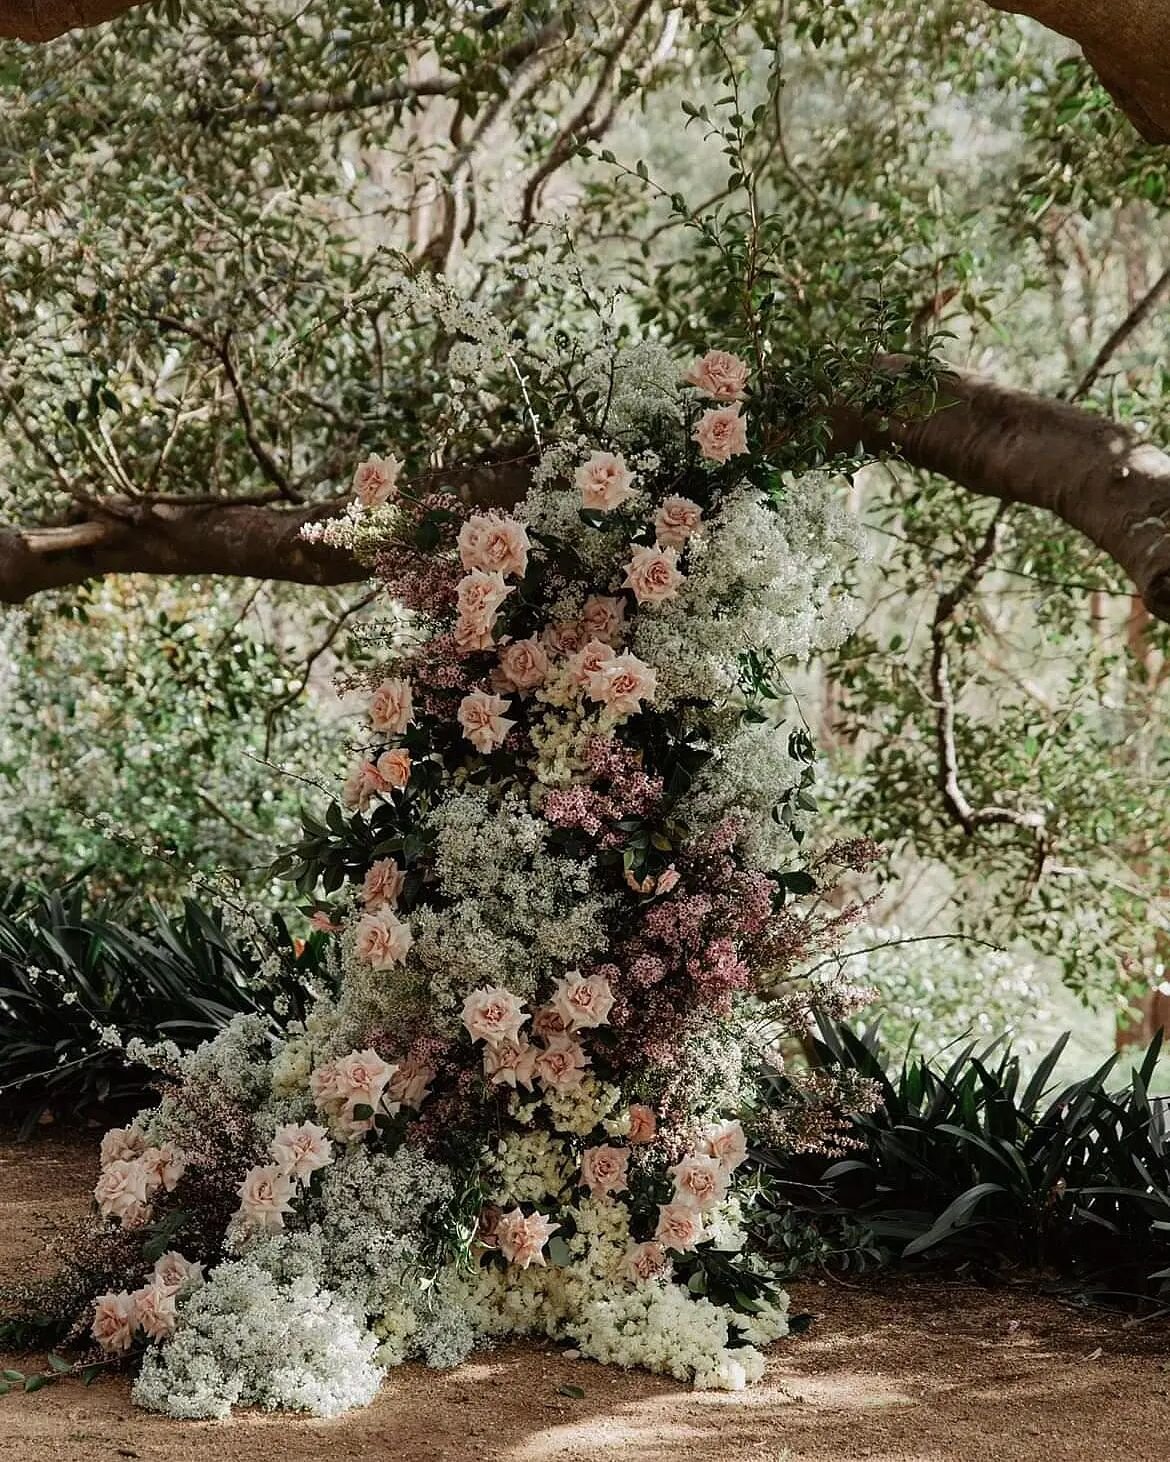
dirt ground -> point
(898, 1372)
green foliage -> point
(76, 984)
(154, 712)
(967, 1162)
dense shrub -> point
(76, 984)
(969, 1163)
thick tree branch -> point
(1096, 475)
(43, 20)
(235, 539)
(1125, 43)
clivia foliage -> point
(563, 890)
(78, 982)
(966, 1162)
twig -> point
(1133, 321)
(955, 800)
(314, 655)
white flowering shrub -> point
(559, 886)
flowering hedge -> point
(561, 887)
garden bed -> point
(893, 1371)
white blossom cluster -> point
(761, 578)
(519, 913)
(248, 1339)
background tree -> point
(214, 283)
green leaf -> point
(59, 1363)
(576, 1392)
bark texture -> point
(238, 540)
(43, 20)
(1099, 477)
(1127, 43)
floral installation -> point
(562, 883)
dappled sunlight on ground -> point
(896, 1372)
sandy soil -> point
(897, 1372)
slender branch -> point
(1134, 320)
(311, 659)
(584, 125)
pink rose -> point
(565, 638)
(699, 1181)
(481, 715)
(510, 1063)
(165, 1165)
(549, 1024)
(652, 574)
(360, 1080)
(122, 1190)
(643, 1124)
(493, 1014)
(719, 374)
(623, 683)
(383, 940)
(175, 1273)
(325, 1084)
(603, 618)
(521, 1237)
(726, 1143)
(376, 480)
(721, 434)
(121, 1144)
(639, 885)
(667, 880)
(265, 1197)
(677, 520)
(604, 481)
(605, 1170)
(364, 782)
(301, 1148)
(114, 1321)
(679, 1226)
(480, 595)
(382, 883)
(471, 635)
(562, 1066)
(494, 544)
(588, 660)
(362, 1077)
(321, 921)
(154, 1310)
(392, 707)
(411, 1083)
(394, 768)
(524, 664)
(644, 1261)
(583, 1001)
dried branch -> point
(1134, 320)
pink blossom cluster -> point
(556, 1059)
(119, 1317)
(133, 1172)
(620, 788)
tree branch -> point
(1137, 317)
(1096, 475)
(235, 539)
(1125, 43)
(43, 20)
